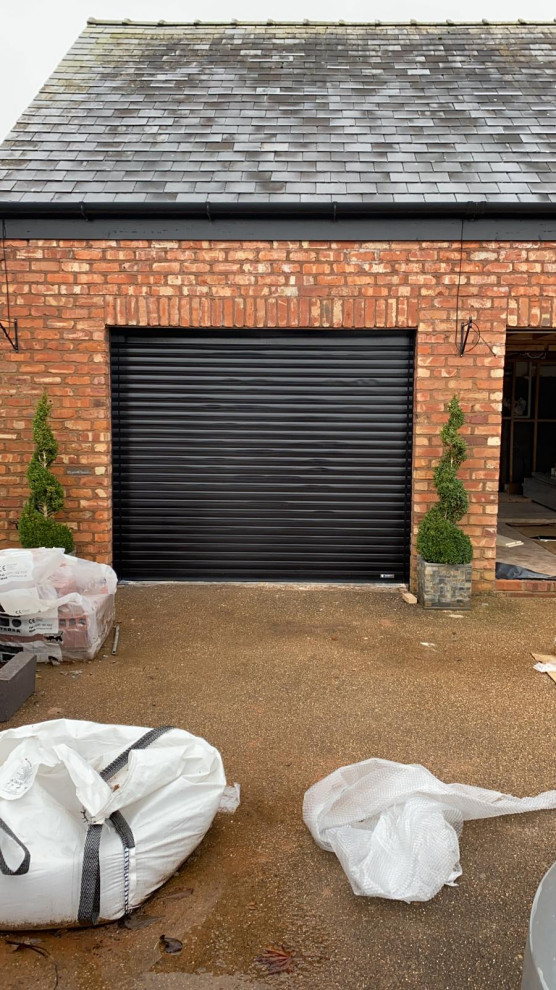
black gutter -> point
(265, 210)
(280, 220)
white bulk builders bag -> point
(93, 817)
(395, 827)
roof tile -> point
(291, 112)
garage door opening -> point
(262, 455)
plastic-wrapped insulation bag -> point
(93, 818)
(395, 827)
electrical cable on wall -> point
(466, 327)
(459, 282)
(5, 330)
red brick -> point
(66, 293)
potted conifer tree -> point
(445, 552)
(37, 528)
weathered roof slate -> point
(411, 113)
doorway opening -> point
(526, 541)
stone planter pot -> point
(443, 585)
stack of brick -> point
(57, 607)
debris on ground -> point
(34, 945)
(409, 598)
(546, 664)
(171, 945)
(26, 943)
(230, 799)
(277, 960)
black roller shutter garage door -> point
(262, 456)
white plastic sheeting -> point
(395, 827)
(60, 606)
(24, 574)
(37, 581)
(230, 799)
(53, 793)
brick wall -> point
(66, 293)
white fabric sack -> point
(52, 795)
(395, 827)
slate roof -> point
(312, 113)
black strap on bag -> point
(121, 761)
(24, 865)
(89, 902)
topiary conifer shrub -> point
(37, 528)
(439, 541)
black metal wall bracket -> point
(12, 339)
(464, 331)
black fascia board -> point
(280, 221)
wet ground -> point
(291, 683)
